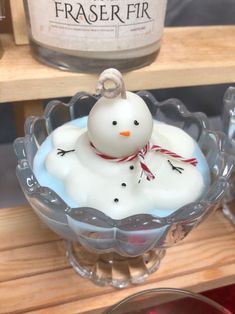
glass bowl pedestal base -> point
(112, 268)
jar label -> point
(97, 25)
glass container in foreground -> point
(119, 252)
(167, 301)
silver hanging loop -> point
(111, 84)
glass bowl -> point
(228, 126)
(105, 250)
(167, 301)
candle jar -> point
(91, 35)
(104, 249)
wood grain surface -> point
(19, 22)
(35, 276)
(189, 56)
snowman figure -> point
(124, 163)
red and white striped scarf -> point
(141, 156)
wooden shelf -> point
(189, 56)
(35, 275)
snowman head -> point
(120, 126)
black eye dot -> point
(123, 184)
(136, 122)
(114, 122)
(116, 200)
(131, 167)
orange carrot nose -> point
(125, 133)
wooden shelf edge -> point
(189, 56)
(100, 304)
(197, 264)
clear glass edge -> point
(222, 181)
(183, 292)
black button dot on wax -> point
(136, 122)
(123, 184)
(131, 167)
(114, 122)
(116, 200)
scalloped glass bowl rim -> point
(167, 220)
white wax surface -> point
(84, 179)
